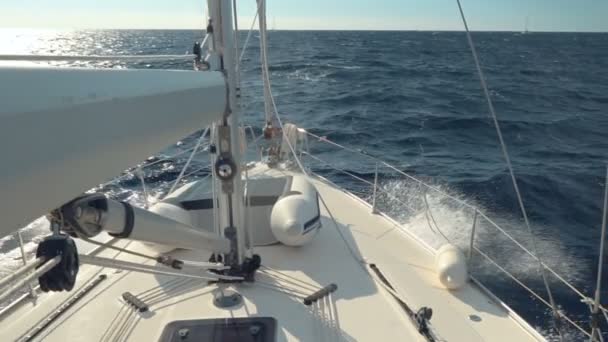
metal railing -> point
(479, 217)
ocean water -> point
(414, 100)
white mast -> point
(227, 169)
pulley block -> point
(63, 276)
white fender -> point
(295, 217)
(451, 267)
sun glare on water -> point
(24, 41)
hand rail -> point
(476, 212)
(48, 264)
(32, 292)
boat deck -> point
(360, 309)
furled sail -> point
(64, 130)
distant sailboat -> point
(526, 31)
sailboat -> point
(526, 26)
(262, 250)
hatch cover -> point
(246, 329)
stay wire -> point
(505, 153)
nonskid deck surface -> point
(360, 310)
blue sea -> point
(414, 100)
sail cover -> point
(65, 130)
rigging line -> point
(271, 96)
(154, 289)
(140, 174)
(326, 140)
(236, 46)
(143, 166)
(536, 295)
(264, 58)
(284, 287)
(600, 262)
(181, 174)
(278, 279)
(334, 310)
(133, 313)
(198, 170)
(332, 318)
(248, 225)
(161, 288)
(380, 189)
(111, 329)
(249, 34)
(287, 278)
(111, 325)
(429, 213)
(505, 153)
(175, 291)
(356, 151)
(279, 289)
(110, 245)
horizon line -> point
(297, 30)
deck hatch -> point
(243, 329)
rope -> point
(140, 174)
(505, 153)
(428, 214)
(379, 189)
(287, 278)
(181, 174)
(153, 290)
(110, 245)
(169, 158)
(248, 225)
(198, 170)
(600, 262)
(274, 105)
(249, 34)
(537, 296)
(264, 58)
(236, 46)
(273, 287)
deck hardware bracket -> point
(226, 298)
(327, 290)
(135, 302)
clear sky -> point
(543, 15)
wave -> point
(444, 218)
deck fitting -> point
(226, 298)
